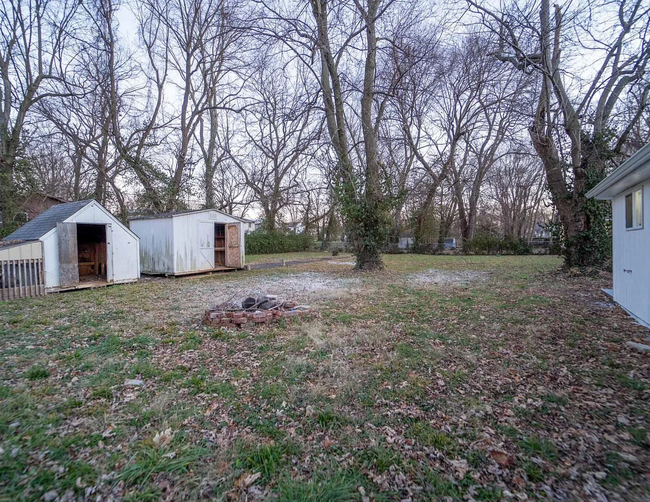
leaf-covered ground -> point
(442, 378)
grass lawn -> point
(441, 378)
(304, 255)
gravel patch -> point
(446, 277)
(302, 287)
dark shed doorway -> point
(91, 249)
(219, 245)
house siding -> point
(631, 257)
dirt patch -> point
(302, 287)
(446, 277)
(347, 263)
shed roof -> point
(47, 220)
(631, 172)
(171, 214)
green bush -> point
(494, 244)
(263, 242)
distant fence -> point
(21, 278)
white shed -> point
(84, 245)
(189, 242)
(627, 187)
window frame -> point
(633, 193)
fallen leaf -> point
(501, 458)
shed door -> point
(206, 245)
(233, 256)
(68, 255)
(110, 269)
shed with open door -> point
(189, 242)
(83, 246)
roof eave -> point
(631, 172)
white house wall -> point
(156, 245)
(631, 260)
(124, 246)
(189, 234)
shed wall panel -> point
(25, 251)
(190, 231)
(156, 245)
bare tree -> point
(362, 195)
(279, 132)
(34, 36)
(534, 40)
(199, 41)
(517, 185)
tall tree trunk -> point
(422, 217)
(7, 189)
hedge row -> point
(263, 242)
(494, 244)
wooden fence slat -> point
(13, 278)
(22, 278)
(39, 276)
(30, 274)
(21, 282)
(25, 277)
(19, 275)
(34, 273)
(7, 280)
(3, 285)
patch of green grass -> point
(178, 373)
(408, 351)
(328, 419)
(266, 459)
(533, 445)
(220, 334)
(333, 489)
(144, 369)
(439, 487)
(142, 494)
(639, 436)
(191, 341)
(534, 472)
(555, 399)
(223, 389)
(150, 460)
(37, 372)
(630, 383)
(488, 493)
(426, 435)
(508, 431)
(271, 391)
(102, 393)
(617, 470)
(379, 458)
(476, 458)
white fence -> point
(21, 278)
(21, 270)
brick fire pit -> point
(260, 310)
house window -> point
(634, 209)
